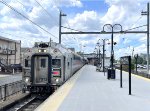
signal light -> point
(55, 72)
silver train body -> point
(48, 66)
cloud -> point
(68, 3)
(88, 20)
(129, 16)
(13, 22)
(119, 11)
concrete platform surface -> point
(89, 90)
(5, 79)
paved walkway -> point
(89, 90)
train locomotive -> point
(48, 65)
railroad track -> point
(28, 104)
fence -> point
(10, 89)
(140, 73)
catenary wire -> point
(26, 18)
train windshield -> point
(56, 63)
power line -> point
(23, 10)
(58, 23)
(12, 34)
(9, 34)
(26, 17)
(46, 11)
(15, 35)
(21, 15)
(135, 22)
(136, 27)
(133, 25)
(71, 29)
(20, 3)
(74, 38)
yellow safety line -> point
(56, 99)
(146, 79)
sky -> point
(82, 15)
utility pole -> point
(99, 56)
(148, 37)
(50, 42)
(112, 51)
(132, 52)
(147, 13)
(136, 57)
(60, 28)
(60, 19)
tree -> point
(140, 60)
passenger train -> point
(48, 65)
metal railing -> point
(10, 89)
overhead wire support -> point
(119, 32)
(60, 24)
(5, 3)
(103, 32)
(147, 13)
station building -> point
(10, 51)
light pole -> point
(99, 52)
(112, 31)
(104, 53)
(96, 59)
(96, 52)
(136, 57)
(83, 50)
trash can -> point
(111, 73)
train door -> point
(41, 69)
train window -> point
(56, 63)
(77, 57)
(43, 63)
(26, 63)
(68, 64)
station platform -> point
(89, 90)
(6, 79)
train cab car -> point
(41, 72)
(51, 66)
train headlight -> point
(27, 79)
(45, 50)
(42, 50)
(57, 80)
